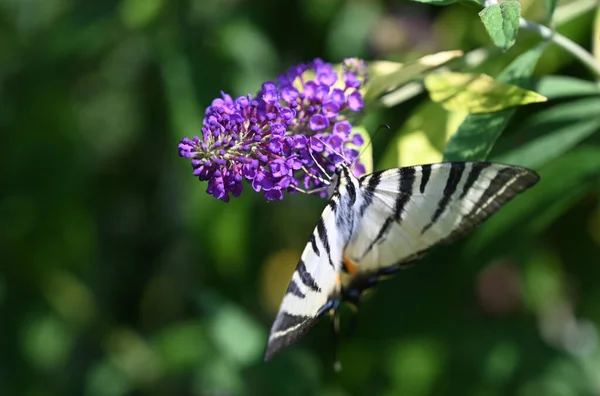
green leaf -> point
(557, 87)
(550, 6)
(387, 76)
(502, 23)
(420, 139)
(476, 93)
(552, 145)
(477, 134)
(569, 112)
(554, 190)
(569, 123)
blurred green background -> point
(121, 276)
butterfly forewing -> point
(415, 208)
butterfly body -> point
(380, 223)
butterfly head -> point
(342, 176)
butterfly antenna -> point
(334, 152)
(370, 142)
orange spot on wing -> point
(350, 265)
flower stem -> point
(568, 45)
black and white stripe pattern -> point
(315, 280)
(383, 222)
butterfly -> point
(380, 223)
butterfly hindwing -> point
(316, 278)
(412, 209)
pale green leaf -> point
(382, 67)
(477, 134)
(476, 93)
(389, 76)
(502, 22)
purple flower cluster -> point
(272, 140)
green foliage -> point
(476, 93)
(558, 87)
(502, 22)
(387, 76)
(121, 276)
(569, 124)
(477, 134)
(550, 6)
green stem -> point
(568, 45)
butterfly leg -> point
(352, 325)
(332, 307)
(315, 176)
(335, 326)
(392, 269)
(312, 191)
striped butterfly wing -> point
(315, 279)
(409, 210)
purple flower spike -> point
(273, 139)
